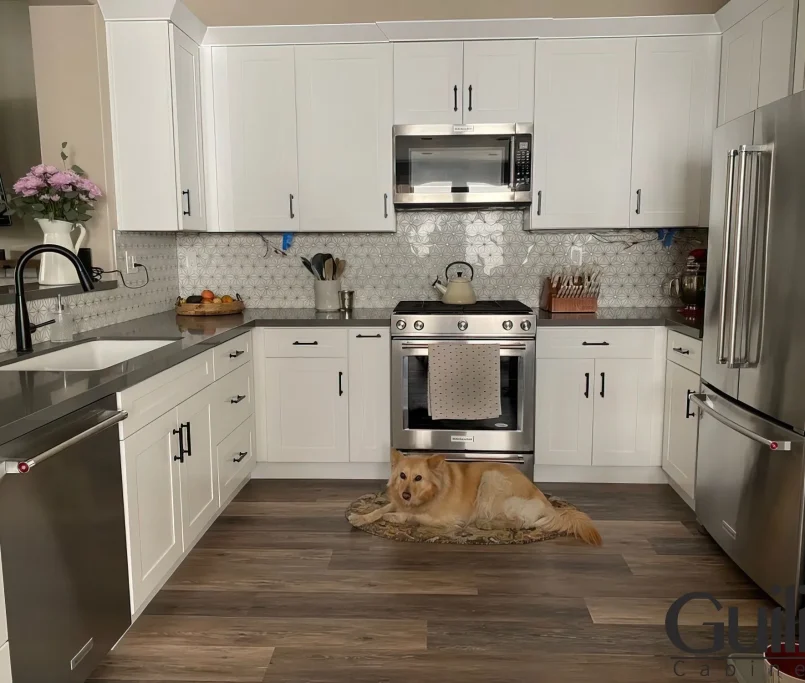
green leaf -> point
(84, 217)
(71, 195)
(63, 156)
(63, 145)
(71, 215)
(79, 170)
(38, 206)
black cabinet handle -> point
(684, 352)
(291, 203)
(603, 384)
(340, 386)
(595, 343)
(539, 202)
(470, 107)
(385, 205)
(586, 385)
(241, 455)
(237, 398)
(298, 343)
(186, 193)
(455, 98)
(182, 450)
(688, 413)
(189, 445)
(639, 194)
(235, 354)
(368, 336)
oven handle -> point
(519, 347)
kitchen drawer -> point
(595, 342)
(685, 351)
(306, 342)
(148, 400)
(236, 459)
(231, 355)
(232, 402)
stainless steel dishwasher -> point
(63, 544)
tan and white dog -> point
(434, 492)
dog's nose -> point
(406, 495)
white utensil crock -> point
(325, 294)
(55, 269)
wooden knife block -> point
(555, 304)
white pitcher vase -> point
(55, 269)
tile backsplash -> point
(90, 311)
(383, 269)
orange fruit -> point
(226, 299)
(207, 295)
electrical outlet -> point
(576, 255)
(130, 259)
(190, 262)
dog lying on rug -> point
(434, 492)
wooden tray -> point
(210, 308)
(550, 302)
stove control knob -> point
(525, 325)
(462, 325)
(418, 325)
(401, 324)
(507, 325)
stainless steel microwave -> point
(483, 164)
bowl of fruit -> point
(208, 303)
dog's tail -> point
(574, 522)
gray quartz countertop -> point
(625, 317)
(32, 399)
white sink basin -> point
(91, 355)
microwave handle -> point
(512, 155)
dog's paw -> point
(396, 518)
(357, 520)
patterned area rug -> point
(468, 535)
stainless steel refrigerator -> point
(750, 477)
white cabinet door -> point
(564, 424)
(255, 123)
(624, 405)
(153, 505)
(198, 468)
(186, 76)
(680, 427)
(5, 664)
(236, 458)
(583, 133)
(673, 107)
(344, 102)
(428, 82)
(499, 81)
(307, 410)
(777, 32)
(369, 395)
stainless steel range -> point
(416, 326)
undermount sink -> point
(91, 355)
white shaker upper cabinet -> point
(499, 81)
(757, 60)
(428, 82)
(255, 138)
(674, 108)
(344, 103)
(583, 133)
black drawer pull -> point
(595, 343)
(237, 398)
(587, 385)
(235, 354)
(684, 352)
(340, 387)
(182, 451)
(603, 384)
(688, 413)
(298, 343)
(240, 457)
(368, 336)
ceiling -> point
(274, 12)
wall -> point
(259, 12)
(90, 311)
(19, 130)
(386, 268)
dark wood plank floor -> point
(282, 589)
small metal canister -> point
(347, 298)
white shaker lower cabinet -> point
(681, 427)
(153, 505)
(307, 410)
(236, 457)
(197, 466)
(599, 397)
(369, 395)
(5, 664)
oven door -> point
(413, 429)
(469, 164)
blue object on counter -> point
(666, 236)
(287, 240)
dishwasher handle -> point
(25, 466)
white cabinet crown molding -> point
(312, 34)
(174, 11)
(734, 11)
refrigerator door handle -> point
(722, 313)
(732, 362)
(703, 402)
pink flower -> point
(86, 185)
(29, 185)
(39, 170)
(63, 180)
(50, 170)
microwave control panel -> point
(522, 163)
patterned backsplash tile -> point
(386, 268)
(90, 311)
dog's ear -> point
(435, 461)
(396, 457)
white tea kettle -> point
(55, 269)
(459, 288)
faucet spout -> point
(22, 323)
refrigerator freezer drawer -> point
(750, 482)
